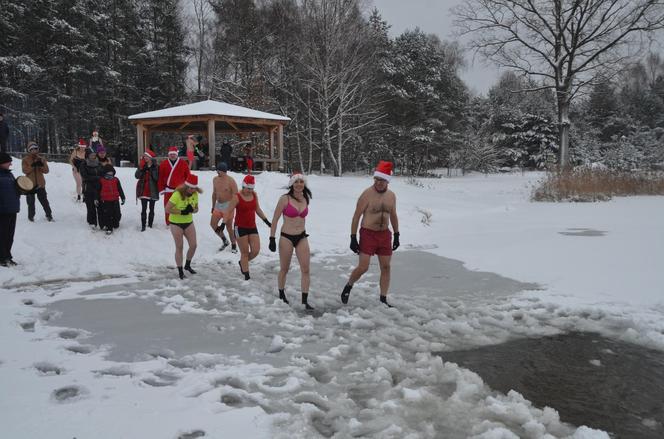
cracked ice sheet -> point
(610, 285)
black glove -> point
(395, 241)
(187, 210)
(354, 246)
(273, 244)
(122, 202)
(268, 223)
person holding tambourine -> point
(9, 206)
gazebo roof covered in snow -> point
(210, 118)
(209, 107)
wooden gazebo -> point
(209, 118)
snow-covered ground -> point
(98, 337)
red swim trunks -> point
(375, 243)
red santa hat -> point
(172, 150)
(82, 144)
(297, 176)
(192, 181)
(150, 153)
(249, 181)
(383, 170)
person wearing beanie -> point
(110, 197)
(10, 205)
(76, 159)
(173, 172)
(91, 173)
(224, 189)
(245, 206)
(377, 206)
(294, 207)
(181, 205)
(95, 142)
(103, 157)
(147, 190)
(34, 167)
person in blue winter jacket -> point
(9, 206)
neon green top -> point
(180, 204)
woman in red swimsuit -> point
(246, 207)
(294, 206)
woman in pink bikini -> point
(294, 206)
(246, 207)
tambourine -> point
(25, 185)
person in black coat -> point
(9, 206)
(226, 153)
(90, 174)
(4, 133)
(147, 190)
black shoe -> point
(181, 273)
(305, 302)
(187, 267)
(12, 262)
(282, 296)
(383, 299)
(233, 248)
(78, 198)
(246, 273)
(49, 219)
(32, 220)
(345, 294)
(4, 263)
(142, 227)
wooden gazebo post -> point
(211, 135)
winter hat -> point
(296, 177)
(33, 145)
(82, 144)
(5, 158)
(192, 181)
(222, 167)
(108, 169)
(101, 149)
(249, 182)
(172, 150)
(150, 153)
(383, 170)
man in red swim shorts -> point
(377, 206)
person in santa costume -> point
(377, 206)
(182, 203)
(147, 190)
(173, 172)
(245, 206)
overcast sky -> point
(433, 16)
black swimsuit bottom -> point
(183, 226)
(242, 231)
(295, 239)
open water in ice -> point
(590, 380)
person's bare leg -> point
(178, 233)
(362, 267)
(285, 255)
(385, 272)
(303, 256)
(254, 245)
(243, 244)
(190, 234)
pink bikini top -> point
(292, 212)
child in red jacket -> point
(110, 192)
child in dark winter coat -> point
(110, 192)
(9, 207)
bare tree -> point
(200, 36)
(563, 43)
